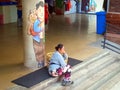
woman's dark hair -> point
(59, 46)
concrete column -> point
(33, 33)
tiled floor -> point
(75, 31)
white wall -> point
(99, 5)
(9, 13)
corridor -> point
(75, 31)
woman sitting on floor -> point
(58, 66)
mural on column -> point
(36, 30)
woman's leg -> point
(53, 73)
(67, 76)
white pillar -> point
(29, 10)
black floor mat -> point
(38, 76)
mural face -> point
(36, 30)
